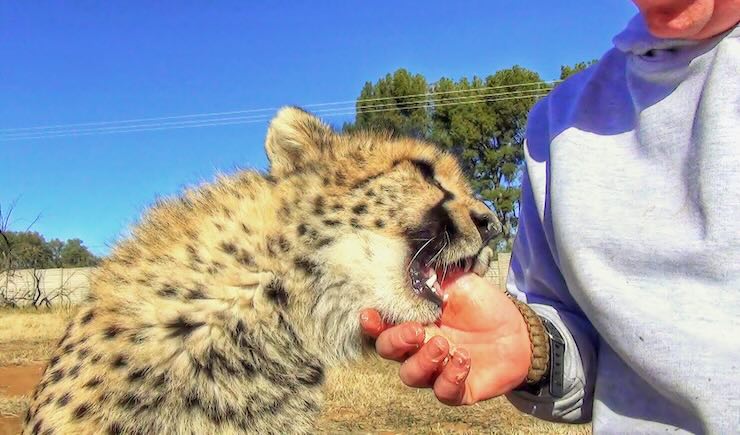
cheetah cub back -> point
(224, 307)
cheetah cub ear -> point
(295, 138)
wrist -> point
(539, 344)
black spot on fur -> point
(276, 293)
(48, 431)
(167, 292)
(87, 317)
(37, 427)
(194, 257)
(128, 401)
(379, 223)
(95, 359)
(318, 205)
(81, 411)
(119, 361)
(307, 266)
(182, 327)
(196, 293)
(75, 371)
(360, 208)
(66, 334)
(311, 375)
(82, 353)
(112, 332)
(68, 348)
(370, 193)
(337, 207)
(355, 223)
(56, 376)
(270, 179)
(159, 380)
(115, 429)
(331, 222)
(53, 361)
(245, 258)
(284, 243)
(320, 243)
(228, 248)
(64, 400)
(285, 211)
(218, 226)
(245, 229)
(94, 382)
(302, 228)
(137, 375)
(137, 338)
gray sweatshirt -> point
(629, 238)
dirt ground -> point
(354, 403)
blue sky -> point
(77, 62)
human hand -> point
(492, 349)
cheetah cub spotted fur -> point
(224, 307)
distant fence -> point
(63, 287)
(44, 287)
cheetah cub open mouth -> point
(428, 282)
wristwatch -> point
(546, 371)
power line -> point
(435, 100)
(271, 109)
(264, 118)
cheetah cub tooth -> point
(483, 261)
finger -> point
(399, 341)
(422, 367)
(449, 387)
(371, 322)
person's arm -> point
(535, 278)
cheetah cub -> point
(224, 307)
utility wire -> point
(322, 112)
(270, 109)
(473, 99)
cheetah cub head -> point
(387, 219)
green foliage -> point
(481, 120)
(29, 250)
(395, 103)
(75, 254)
(567, 70)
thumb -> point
(372, 323)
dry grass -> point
(27, 334)
(29, 324)
(369, 397)
(13, 406)
(364, 398)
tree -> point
(487, 132)
(75, 254)
(567, 71)
(396, 103)
(481, 120)
(30, 251)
